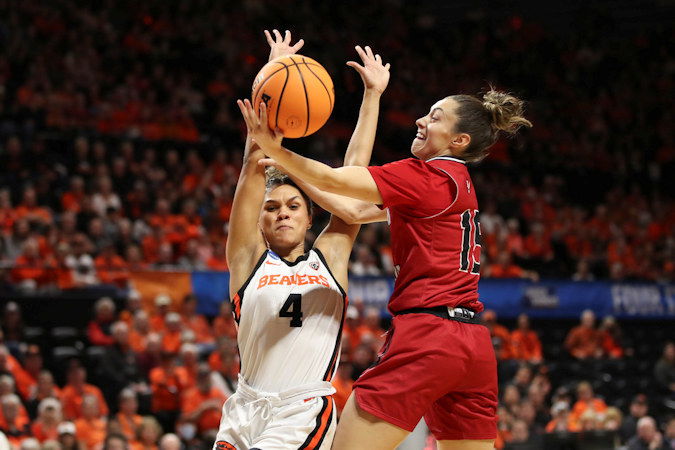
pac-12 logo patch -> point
(223, 445)
(314, 265)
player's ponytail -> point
(483, 120)
(506, 111)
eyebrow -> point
(437, 109)
(271, 200)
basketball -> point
(298, 93)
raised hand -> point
(282, 46)
(257, 127)
(374, 74)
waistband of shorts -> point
(445, 312)
(303, 392)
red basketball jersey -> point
(435, 234)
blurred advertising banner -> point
(508, 297)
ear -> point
(460, 141)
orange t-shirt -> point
(525, 345)
(210, 418)
(91, 432)
(582, 342)
(166, 388)
(171, 341)
(200, 326)
(137, 341)
(42, 433)
(128, 425)
(71, 399)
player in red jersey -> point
(437, 362)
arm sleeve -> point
(413, 183)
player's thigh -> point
(358, 430)
(304, 424)
(467, 444)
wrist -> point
(372, 93)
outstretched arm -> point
(375, 77)
(351, 181)
(245, 243)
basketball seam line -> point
(304, 87)
(322, 83)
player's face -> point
(284, 217)
(435, 130)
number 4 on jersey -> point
(470, 247)
(293, 308)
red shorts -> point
(441, 369)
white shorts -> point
(302, 418)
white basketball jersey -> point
(290, 319)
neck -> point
(290, 254)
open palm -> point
(374, 73)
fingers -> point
(269, 37)
(298, 45)
(387, 66)
(356, 66)
(267, 162)
(287, 37)
(361, 53)
(263, 112)
(378, 58)
(369, 52)
(277, 35)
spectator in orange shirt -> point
(560, 414)
(610, 338)
(110, 267)
(45, 427)
(30, 210)
(30, 271)
(15, 425)
(71, 200)
(224, 324)
(501, 338)
(91, 427)
(583, 341)
(74, 391)
(166, 384)
(586, 401)
(138, 334)
(189, 356)
(201, 404)
(505, 268)
(8, 364)
(217, 260)
(127, 419)
(171, 339)
(198, 324)
(98, 330)
(162, 303)
(525, 343)
(352, 327)
(148, 434)
(133, 305)
(342, 382)
(44, 388)
(32, 367)
(225, 362)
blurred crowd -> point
(120, 142)
(155, 377)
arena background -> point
(120, 145)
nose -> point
(283, 213)
(420, 122)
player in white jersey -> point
(289, 304)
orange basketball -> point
(298, 93)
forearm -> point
(352, 181)
(360, 146)
(350, 210)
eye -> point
(434, 119)
(270, 208)
(295, 206)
